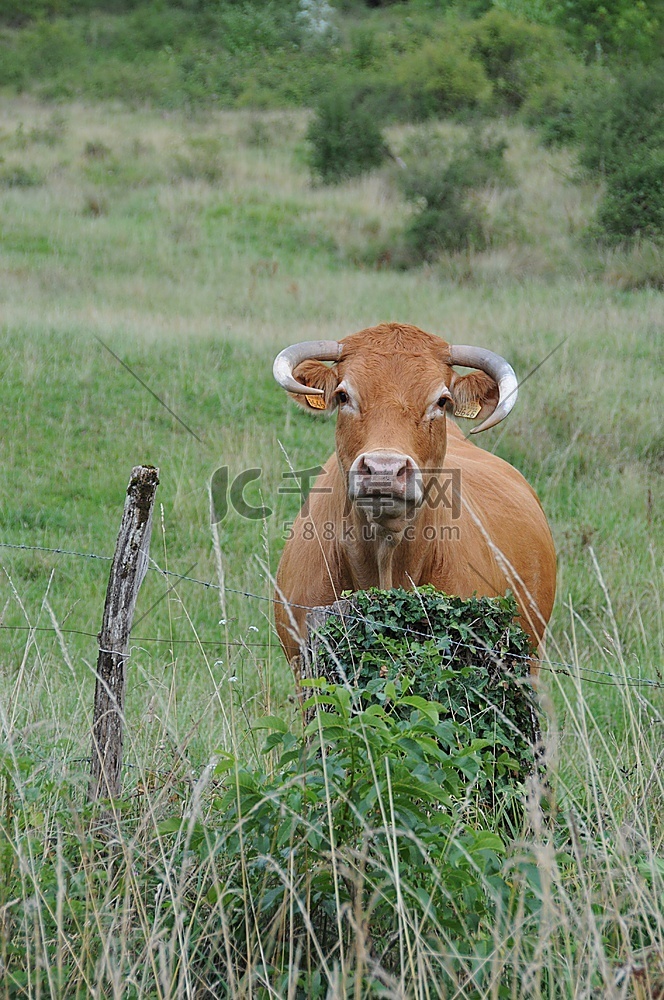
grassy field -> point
(196, 248)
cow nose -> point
(391, 467)
(385, 474)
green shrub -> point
(20, 12)
(468, 654)
(394, 804)
(365, 47)
(373, 92)
(345, 139)
(392, 809)
(612, 26)
(517, 55)
(254, 26)
(37, 52)
(366, 818)
(621, 135)
(170, 55)
(621, 119)
(446, 227)
(552, 109)
(441, 77)
(333, 843)
(633, 206)
(479, 162)
(17, 176)
(446, 217)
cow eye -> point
(342, 397)
(443, 401)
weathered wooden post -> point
(130, 564)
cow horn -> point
(499, 370)
(291, 357)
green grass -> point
(196, 253)
(197, 281)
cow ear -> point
(318, 376)
(475, 395)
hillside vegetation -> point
(581, 74)
(193, 235)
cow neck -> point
(384, 561)
(369, 561)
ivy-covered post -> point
(315, 662)
(468, 655)
(130, 564)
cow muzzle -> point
(385, 484)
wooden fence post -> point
(130, 564)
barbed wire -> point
(565, 669)
(62, 552)
(551, 666)
(136, 638)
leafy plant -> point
(468, 654)
(621, 119)
(17, 176)
(517, 55)
(611, 26)
(365, 817)
(441, 77)
(345, 139)
(633, 206)
(621, 134)
(446, 218)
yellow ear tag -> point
(318, 402)
(468, 410)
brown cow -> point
(407, 500)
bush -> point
(169, 55)
(614, 26)
(621, 133)
(337, 842)
(18, 176)
(469, 654)
(446, 217)
(345, 139)
(552, 109)
(366, 817)
(621, 119)
(394, 805)
(331, 842)
(517, 55)
(633, 205)
(442, 77)
(38, 51)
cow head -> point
(391, 386)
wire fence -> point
(603, 677)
